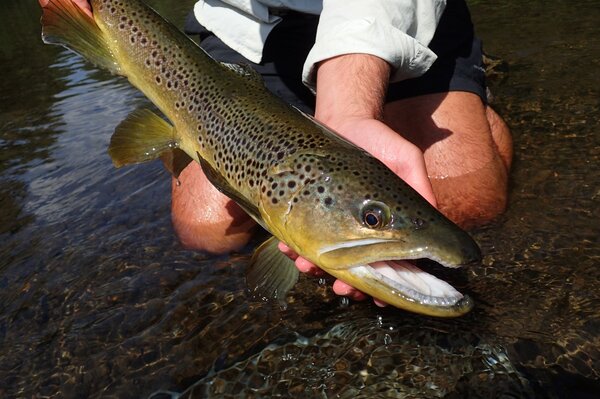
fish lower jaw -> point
(411, 282)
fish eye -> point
(372, 219)
(375, 215)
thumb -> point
(417, 178)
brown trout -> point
(330, 201)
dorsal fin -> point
(246, 71)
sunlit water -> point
(97, 298)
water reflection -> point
(98, 299)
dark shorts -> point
(459, 66)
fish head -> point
(360, 222)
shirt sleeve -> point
(397, 31)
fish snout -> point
(469, 250)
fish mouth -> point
(380, 267)
(391, 277)
(406, 279)
(402, 284)
(369, 251)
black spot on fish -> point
(418, 223)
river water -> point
(98, 299)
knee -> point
(474, 198)
(501, 136)
(203, 218)
(196, 231)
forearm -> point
(351, 87)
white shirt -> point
(397, 31)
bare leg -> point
(501, 136)
(467, 149)
(204, 218)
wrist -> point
(351, 87)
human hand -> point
(84, 5)
(398, 154)
(353, 108)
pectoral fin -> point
(142, 136)
(271, 274)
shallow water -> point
(97, 298)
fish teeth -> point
(412, 282)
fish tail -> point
(66, 24)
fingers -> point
(302, 264)
(406, 160)
(308, 267)
(379, 303)
(343, 289)
(84, 5)
(418, 179)
(287, 251)
(339, 287)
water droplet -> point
(379, 321)
(387, 339)
(344, 302)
